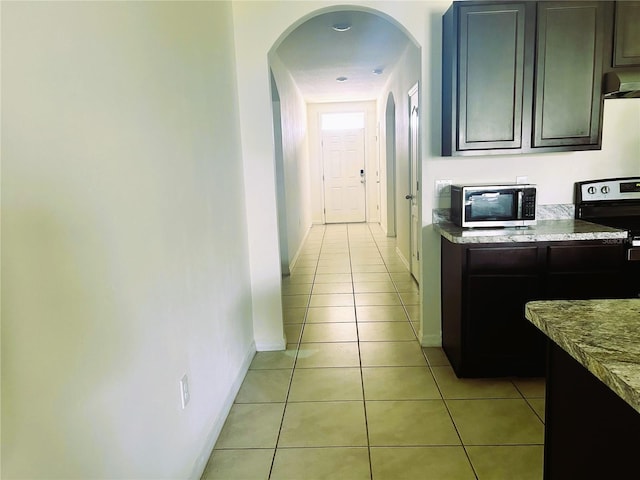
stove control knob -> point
(605, 189)
(591, 190)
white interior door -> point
(414, 183)
(343, 175)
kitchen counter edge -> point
(544, 231)
(602, 335)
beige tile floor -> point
(354, 396)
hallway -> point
(354, 396)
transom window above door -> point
(342, 121)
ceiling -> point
(316, 55)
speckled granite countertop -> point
(544, 231)
(602, 335)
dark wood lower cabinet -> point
(485, 288)
(590, 432)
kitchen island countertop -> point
(602, 335)
(544, 231)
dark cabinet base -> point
(590, 432)
(486, 286)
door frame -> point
(415, 178)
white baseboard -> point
(431, 340)
(295, 258)
(212, 438)
(404, 260)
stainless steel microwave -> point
(493, 205)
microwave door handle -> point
(520, 196)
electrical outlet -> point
(185, 396)
(522, 179)
(443, 188)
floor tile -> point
(538, 406)
(332, 300)
(385, 331)
(413, 312)
(436, 356)
(410, 423)
(454, 387)
(389, 313)
(325, 384)
(261, 386)
(297, 278)
(399, 383)
(369, 268)
(496, 422)
(335, 260)
(401, 276)
(292, 332)
(410, 298)
(244, 464)
(350, 463)
(323, 424)
(329, 332)
(373, 287)
(391, 354)
(333, 278)
(296, 288)
(306, 263)
(331, 314)
(320, 288)
(303, 270)
(371, 277)
(278, 359)
(334, 269)
(293, 315)
(531, 387)
(523, 462)
(407, 287)
(295, 301)
(252, 425)
(312, 355)
(385, 298)
(424, 463)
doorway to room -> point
(343, 167)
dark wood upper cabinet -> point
(522, 77)
(568, 91)
(626, 51)
(491, 67)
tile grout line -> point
(295, 361)
(364, 400)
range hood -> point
(622, 84)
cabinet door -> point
(569, 53)
(500, 339)
(586, 271)
(626, 51)
(490, 80)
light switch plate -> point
(443, 188)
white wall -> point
(125, 256)
(295, 161)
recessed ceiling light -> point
(341, 79)
(341, 27)
(377, 71)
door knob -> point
(409, 197)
